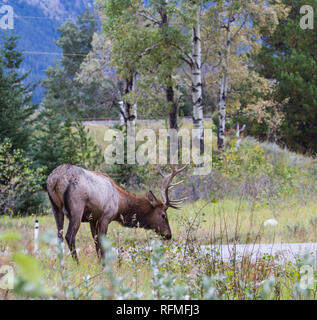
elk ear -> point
(151, 197)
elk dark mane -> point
(132, 209)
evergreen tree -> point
(290, 57)
(61, 138)
(20, 183)
(63, 91)
(61, 141)
(16, 107)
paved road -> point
(284, 252)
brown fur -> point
(94, 197)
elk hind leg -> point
(72, 230)
(75, 216)
(59, 219)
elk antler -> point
(166, 185)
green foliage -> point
(138, 265)
(164, 282)
(29, 278)
(116, 288)
(63, 90)
(152, 50)
(61, 140)
(244, 160)
(15, 97)
(127, 174)
(260, 175)
(289, 56)
(19, 182)
(202, 275)
(75, 40)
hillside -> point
(36, 22)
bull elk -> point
(87, 196)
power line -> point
(56, 17)
(48, 18)
(54, 53)
(38, 17)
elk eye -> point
(163, 215)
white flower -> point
(270, 222)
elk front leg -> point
(102, 232)
(94, 233)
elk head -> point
(158, 219)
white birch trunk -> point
(222, 115)
(238, 133)
(135, 106)
(127, 113)
(224, 85)
(122, 113)
(197, 98)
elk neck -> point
(133, 210)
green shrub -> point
(128, 174)
(258, 170)
(62, 141)
(20, 183)
(248, 159)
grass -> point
(98, 130)
(178, 269)
(226, 221)
(297, 222)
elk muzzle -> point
(166, 235)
